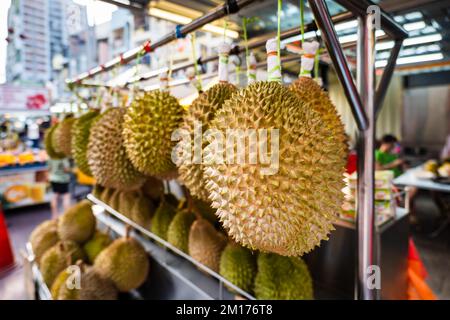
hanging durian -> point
(281, 202)
(48, 143)
(162, 219)
(178, 232)
(106, 154)
(196, 121)
(282, 278)
(62, 137)
(80, 137)
(148, 125)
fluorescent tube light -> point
(414, 25)
(412, 59)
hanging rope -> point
(280, 8)
(198, 82)
(302, 21)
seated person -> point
(385, 158)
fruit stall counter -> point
(23, 185)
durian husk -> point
(153, 188)
(107, 157)
(291, 207)
(77, 223)
(43, 237)
(238, 265)
(80, 137)
(62, 137)
(125, 262)
(178, 232)
(142, 211)
(282, 278)
(206, 244)
(202, 111)
(147, 131)
(48, 144)
(95, 245)
(57, 258)
(162, 219)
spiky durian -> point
(162, 218)
(125, 262)
(206, 244)
(310, 92)
(198, 117)
(106, 154)
(286, 205)
(238, 265)
(142, 211)
(77, 223)
(106, 194)
(57, 258)
(62, 137)
(43, 237)
(127, 199)
(282, 278)
(95, 245)
(205, 209)
(114, 200)
(147, 130)
(92, 286)
(178, 232)
(48, 143)
(80, 137)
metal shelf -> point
(204, 281)
(41, 288)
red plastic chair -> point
(6, 253)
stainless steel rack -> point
(208, 283)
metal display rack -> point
(180, 264)
(364, 99)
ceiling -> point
(427, 22)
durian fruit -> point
(287, 204)
(57, 258)
(206, 244)
(162, 219)
(153, 188)
(80, 137)
(106, 195)
(238, 265)
(48, 143)
(97, 191)
(200, 113)
(92, 287)
(106, 154)
(125, 262)
(95, 245)
(114, 200)
(142, 211)
(127, 199)
(77, 223)
(148, 125)
(310, 92)
(178, 232)
(282, 278)
(62, 137)
(43, 237)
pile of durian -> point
(78, 262)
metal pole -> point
(320, 11)
(366, 163)
(386, 77)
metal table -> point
(438, 190)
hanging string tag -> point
(251, 68)
(273, 63)
(224, 51)
(308, 57)
(164, 81)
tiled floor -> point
(435, 253)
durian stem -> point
(127, 231)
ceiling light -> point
(422, 39)
(166, 15)
(346, 25)
(413, 15)
(412, 59)
(414, 25)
